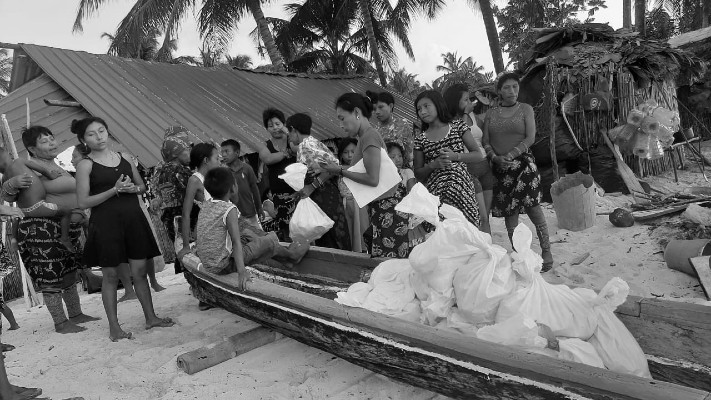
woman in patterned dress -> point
(390, 237)
(509, 131)
(391, 129)
(440, 159)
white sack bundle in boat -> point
(294, 175)
(616, 346)
(561, 308)
(421, 204)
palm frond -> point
(86, 8)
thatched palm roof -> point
(588, 48)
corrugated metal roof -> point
(139, 99)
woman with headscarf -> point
(171, 179)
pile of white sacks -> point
(459, 280)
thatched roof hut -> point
(607, 73)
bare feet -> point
(157, 287)
(159, 323)
(67, 243)
(6, 347)
(83, 318)
(23, 393)
(128, 296)
(13, 327)
(68, 327)
(118, 334)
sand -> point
(87, 364)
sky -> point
(457, 28)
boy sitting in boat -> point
(223, 245)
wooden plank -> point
(208, 356)
(425, 356)
(687, 374)
(683, 314)
(702, 266)
(632, 306)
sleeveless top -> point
(207, 195)
(502, 129)
(214, 245)
(276, 184)
(477, 133)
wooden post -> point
(552, 105)
(231, 347)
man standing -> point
(247, 197)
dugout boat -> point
(299, 303)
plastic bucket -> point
(574, 201)
(678, 253)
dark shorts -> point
(482, 171)
(256, 251)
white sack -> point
(565, 311)
(421, 204)
(355, 295)
(309, 222)
(392, 290)
(294, 175)
(484, 280)
(580, 351)
(616, 346)
(518, 330)
(389, 178)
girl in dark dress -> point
(277, 154)
(119, 233)
(440, 157)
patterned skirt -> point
(47, 261)
(284, 205)
(390, 228)
(328, 198)
(517, 187)
(455, 187)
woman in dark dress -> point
(119, 233)
(277, 154)
(509, 131)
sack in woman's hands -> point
(294, 175)
(309, 222)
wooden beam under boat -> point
(442, 361)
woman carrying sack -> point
(390, 230)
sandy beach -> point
(87, 364)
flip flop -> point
(164, 323)
(6, 347)
(124, 335)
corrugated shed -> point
(139, 99)
(57, 119)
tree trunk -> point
(627, 13)
(640, 11)
(705, 10)
(374, 51)
(256, 9)
(492, 34)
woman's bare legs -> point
(109, 287)
(7, 312)
(151, 270)
(124, 274)
(143, 291)
(483, 213)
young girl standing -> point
(440, 160)
(356, 217)
(119, 233)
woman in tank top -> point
(277, 154)
(119, 233)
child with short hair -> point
(247, 196)
(219, 239)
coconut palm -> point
(640, 16)
(689, 14)
(405, 83)
(492, 34)
(239, 61)
(217, 21)
(147, 49)
(458, 70)
(5, 71)
(330, 36)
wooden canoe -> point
(299, 304)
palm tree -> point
(640, 16)
(627, 13)
(217, 21)
(5, 71)
(329, 36)
(405, 83)
(458, 70)
(452, 63)
(239, 61)
(492, 34)
(147, 49)
(689, 14)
